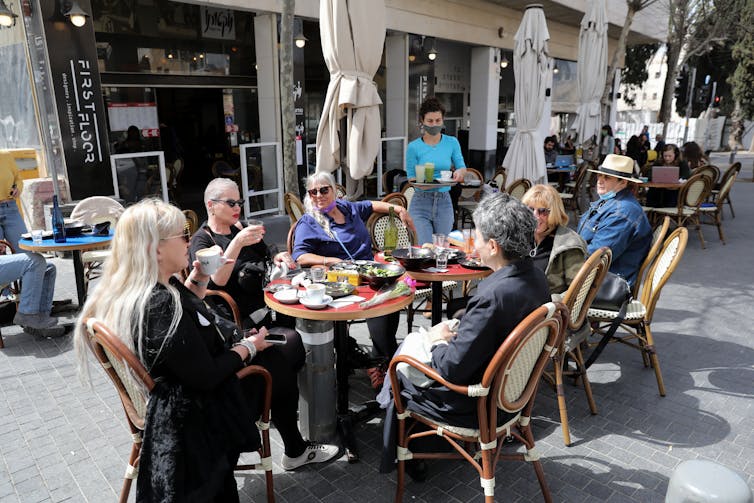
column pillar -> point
(485, 90)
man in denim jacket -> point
(616, 219)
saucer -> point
(288, 296)
(316, 305)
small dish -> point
(316, 305)
(288, 296)
(472, 263)
(277, 287)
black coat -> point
(198, 420)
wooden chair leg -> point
(730, 203)
(131, 471)
(719, 224)
(558, 367)
(653, 358)
(2, 344)
(579, 359)
(488, 474)
(401, 479)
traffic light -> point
(716, 101)
(702, 97)
(681, 91)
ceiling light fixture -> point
(73, 11)
(504, 62)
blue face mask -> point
(607, 195)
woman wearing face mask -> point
(607, 141)
(616, 218)
(432, 209)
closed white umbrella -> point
(353, 36)
(592, 69)
(531, 65)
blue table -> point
(75, 245)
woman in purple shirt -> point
(333, 230)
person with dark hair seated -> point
(504, 241)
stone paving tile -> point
(63, 441)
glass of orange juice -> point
(468, 241)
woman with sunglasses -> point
(333, 230)
(559, 252)
(244, 275)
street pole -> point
(690, 97)
(712, 97)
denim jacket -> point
(621, 224)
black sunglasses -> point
(230, 202)
(541, 212)
(322, 190)
(186, 235)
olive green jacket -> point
(566, 258)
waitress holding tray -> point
(432, 209)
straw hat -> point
(618, 166)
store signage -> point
(218, 23)
(78, 97)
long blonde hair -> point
(120, 299)
(320, 218)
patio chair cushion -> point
(635, 311)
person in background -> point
(607, 141)
(664, 198)
(11, 184)
(551, 153)
(199, 416)
(333, 230)
(635, 152)
(432, 209)
(616, 219)
(659, 144)
(567, 146)
(644, 135)
(618, 149)
(559, 251)
(693, 155)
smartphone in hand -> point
(275, 338)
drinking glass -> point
(419, 173)
(36, 236)
(441, 260)
(318, 274)
(468, 241)
(429, 172)
(440, 241)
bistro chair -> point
(509, 384)
(469, 197)
(192, 221)
(578, 298)
(12, 289)
(658, 238)
(377, 223)
(733, 170)
(224, 169)
(710, 171)
(91, 211)
(133, 384)
(518, 188)
(640, 311)
(692, 194)
(715, 210)
(340, 191)
(499, 178)
(408, 192)
(389, 179)
(395, 198)
(294, 208)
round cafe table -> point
(74, 244)
(335, 321)
(455, 272)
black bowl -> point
(420, 258)
(377, 281)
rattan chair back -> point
(694, 192)
(499, 178)
(294, 208)
(658, 238)
(395, 198)
(582, 290)
(291, 238)
(97, 209)
(659, 274)
(192, 221)
(377, 224)
(518, 188)
(710, 171)
(408, 192)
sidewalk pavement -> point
(63, 441)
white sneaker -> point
(314, 453)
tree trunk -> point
(666, 107)
(737, 128)
(619, 50)
(290, 170)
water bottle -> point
(58, 225)
(391, 234)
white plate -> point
(316, 305)
(289, 296)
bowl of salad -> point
(378, 275)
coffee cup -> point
(210, 260)
(446, 176)
(315, 293)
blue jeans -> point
(11, 223)
(37, 276)
(432, 213)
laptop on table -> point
(665, 174)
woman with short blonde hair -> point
(559, 252)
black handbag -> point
(614, 295)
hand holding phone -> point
(274, 338)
